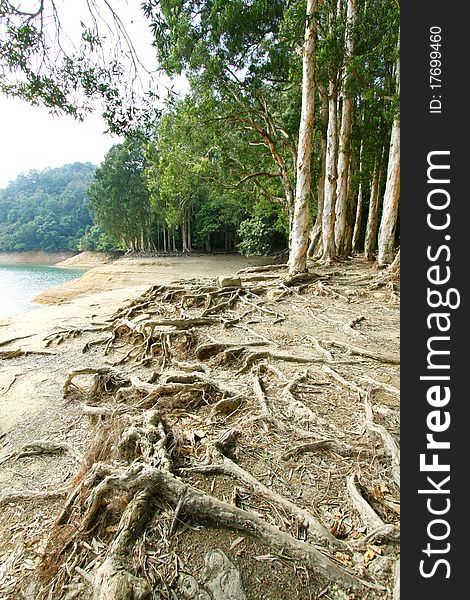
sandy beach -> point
(102, 290)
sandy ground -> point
(99, 292)
(131, 272)
(340, 311)
(34, 257)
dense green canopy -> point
(46, 210)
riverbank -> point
(141, 271)
(47, 259)
(264, 363)
(98, 293)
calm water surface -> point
(19, 284)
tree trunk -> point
(358, 221)
(188, 233)
(370, 245)
(342, 186)
(356, 240)
(315, 233)
(328, 220)
(301, 217)
(184, 234)
(388, 224)
(351, 206)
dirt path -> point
(282, 402)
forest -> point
(273, 147)
(46, 210)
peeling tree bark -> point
(301, 217)
(356, 241)
(388, 224)
(328, 220)
(315, 233)
(370, 245)
(342, 189)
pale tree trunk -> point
(328, 220)
(301, 217)
(394, 268)
(356, 241)
(388, 223)
(342, 191)
(315, 233)
(351, 208)
(370, 245)
(188, 232)
(184, 230)
(183, 235)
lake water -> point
(19, 284)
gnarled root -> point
(113, 579)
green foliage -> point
(120, 199)
(45, 210)
(68, 70)
(264, 232)
(96, 239)
(217, 168)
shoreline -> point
(35, 257)
(102, 272)
(145, 271)
(94, 296)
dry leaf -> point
(236, 542)
(371, 553)
(343, 558)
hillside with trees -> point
(46, 210)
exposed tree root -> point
(329, 445)
(384, 386)
(396, 579)
(164, 421)
(328, 291)
(15, 339)
(60, 337)
(387, 438)
(355, 351)
(216, 462)
(207, 350)
(253, 357)
(369, 517)
(202, 508)
(26, 495)
(299, 278)
(113, 579)
(42, 447)
(7, 354)
(263, 269)
(7, 388)
(388, 533)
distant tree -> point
(46, 210)
(120, 199)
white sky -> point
(31, 138)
